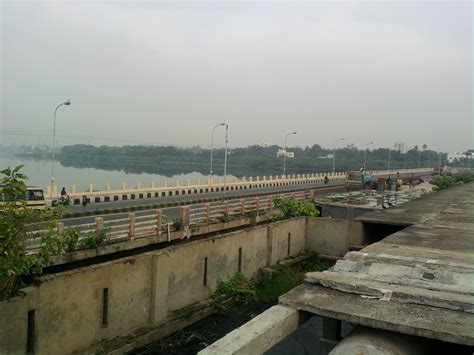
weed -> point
(240, 290)
(178, 224)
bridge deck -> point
(416, 281)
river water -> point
(39, 173)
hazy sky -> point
(166, 72)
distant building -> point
(327, 156)
(283, 152)
(264, 144)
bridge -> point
(154, 193)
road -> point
(172, 211)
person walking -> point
(84, 202)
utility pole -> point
(66, 103)
(225, 157)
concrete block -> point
(257, 335)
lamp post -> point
(334, 155)
(212, 148)
(225, 157)
(284, 155)
(388, 164)
(66, 103)
(365, 154)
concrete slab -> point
(420, 320)
(417, 281)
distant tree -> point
(424, 146)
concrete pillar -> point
(107, 187)
(184, 214)
(177, 183)
(91, 188)
(272, 247)
(165, 183)
(242, 208)
(303, 196)
(99, 223)
(139, 185)
(158, 215)
(225, 209)
(159, 287)
(331, 335)
(123, 186)
(59, 227)
(270, 204)
(206, 212)
(73, 189)
(131, 225)
(257, 205)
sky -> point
(165, 73)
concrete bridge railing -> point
(133, 226)
(139, 192)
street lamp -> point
(365, 154)
(284, 155)
(212, 148)
(334, 155)
(388, 164)
(225, 157)
(66, 103)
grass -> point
(286, 278)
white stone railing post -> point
(131, 225)
(59, 227)
(99, 224)
(158, 215)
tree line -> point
(243, 161)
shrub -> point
(240, 290)
(178, 224)
(294, 208)
(17, 266)
(93, 239)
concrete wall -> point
(143, 289)
(332, 236)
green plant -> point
(226, 218)
(240, 290)
(93, 239)
(253, 217)
(447, 181)
(293, 208)
(71, 237)
(17, 266)
(178, 224)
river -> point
(39, 173)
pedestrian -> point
(84, 202)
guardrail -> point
(133, 227)
(139, 192)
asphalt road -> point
(172, 212)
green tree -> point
(17, 266)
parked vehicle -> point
(33, 198)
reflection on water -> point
(39, 173)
